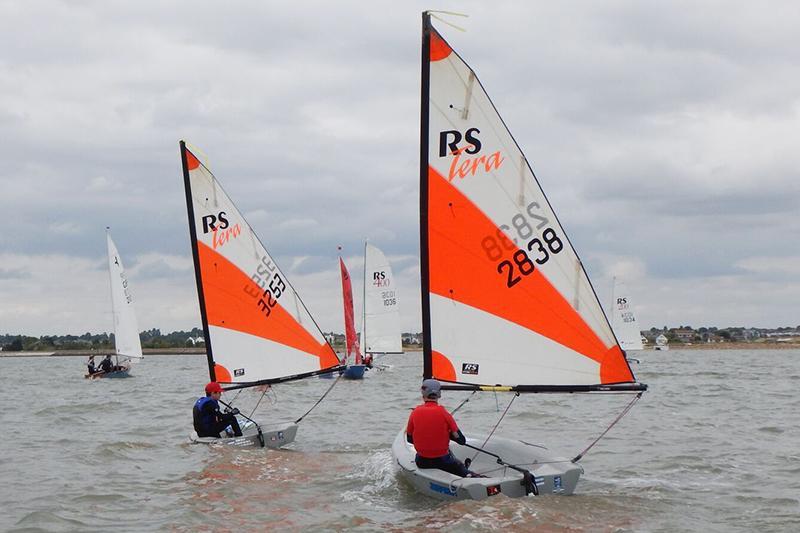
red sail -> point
(349, 322)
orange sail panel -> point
(351, 338)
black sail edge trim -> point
(423, 195)
(196, 257)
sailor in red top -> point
(430, 429)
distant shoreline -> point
(734, 346)
(101, 353)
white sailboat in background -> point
(506, 304)
(257, 330)
(623, 319)
(381, 333)
(662, 343)
(127, 345)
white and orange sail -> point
(353, 351)
(257, 330)
(381, 331)
(505, 298)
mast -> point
(196, 258)
(364, 304)
(423, 192)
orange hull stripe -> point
(439, 48)
(442, 367)
(229, 306)
(461, 270)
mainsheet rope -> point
(516, 394)
(623, 413)
(321, 398)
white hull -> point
(275, 436)
(553, 475)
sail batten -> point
(505, 297)
(256, 329)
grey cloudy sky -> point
(664, 133)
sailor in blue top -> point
(208, 420)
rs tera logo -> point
(469, 166)
(469, 368)
(222, 231)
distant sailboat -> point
(127, 345)
(355, 366)
(623, 319)
(662, 343)
(506, 304)
(257, 330)
(381, 331)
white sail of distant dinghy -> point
(623, 319)
(257, 330)
(381, 332)
(506, 303)
(127, 345)
(662, 343)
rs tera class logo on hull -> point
(462, 166)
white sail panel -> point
(381, 312)
(623, 319)
(494, 242)
(246, 294)
(274, 358)
(126, 327)
(526, 357)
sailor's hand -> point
(234, 411)
(459, 438)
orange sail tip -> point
(191, 160)
(439, 48)
(442, 367)
(327, 357)
(222, 374)
(614, 368)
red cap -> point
(213, 386)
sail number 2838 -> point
(537, 250)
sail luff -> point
(196, 258)
(427, 353)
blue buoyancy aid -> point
(205, 415)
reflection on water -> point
(704, 449)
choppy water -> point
(713, 446)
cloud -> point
(664, 136)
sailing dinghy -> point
(257, 330)
(381, 323)
(355, 366)
(506, 304)
(623, 319)
(127, 345)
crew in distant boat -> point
(90, 365)
(368, 360)
(106, 365)
(208, 420)
(430, 428)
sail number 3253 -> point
(270, 286)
